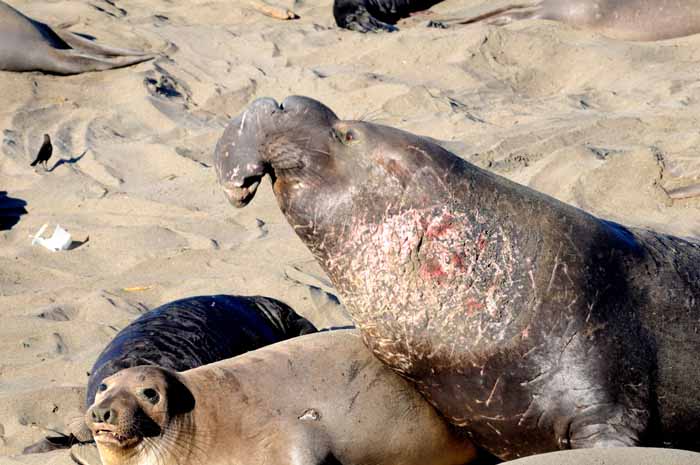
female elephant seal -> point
(621, 19)
(185, 334)
(529, 322)
(318, 399)
(28, 45)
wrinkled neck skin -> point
(387, 219)
(326, 201)
(174, 446)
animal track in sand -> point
(57, 313)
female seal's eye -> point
(102, 387)
(151, 395)
(350, 136)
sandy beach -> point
(606, 125)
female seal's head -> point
(135, 406)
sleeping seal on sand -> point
(320, 399)
(185, 334)
(28, 45)
(531, 323)
(620, 19)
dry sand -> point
(606, 125)
(617, 456)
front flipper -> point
(360, 20)
(80, 434)
(604, 435)
(606, 425)
(50, 443)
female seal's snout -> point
(103, 415)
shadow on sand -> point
(10, 211)
(68, 161)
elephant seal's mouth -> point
(240, 196)
(106, 435)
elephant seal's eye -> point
(350, 136)
(151, 395)
(102, 387)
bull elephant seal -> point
(531, 323)
(28, 45)
(621, 19)
(317, 399)
(185, 334)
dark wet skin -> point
(532, 324)
(376, 15)
(195, 331)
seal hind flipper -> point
(497, 16)
(66, 62)
(77, 42)
(30, 45)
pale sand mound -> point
(618, 456)
(606, 125)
